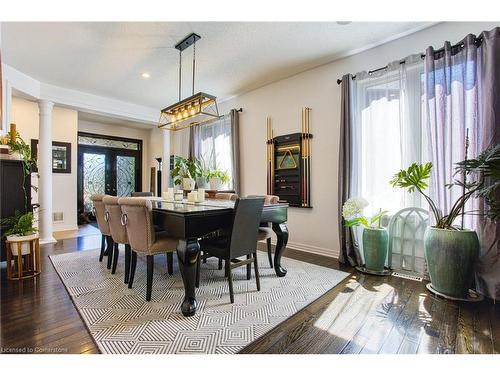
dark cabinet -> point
(12, 196)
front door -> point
(107, 165)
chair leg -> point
(204, 259)
(127, 263)
(103, 246)
(269, 253)
(249, 269)
(256, 266)
(198, 270)
(230, 279)
(109, 251)
(133, 264)
(149, 279)
(220, 263)
(116, 252)
(226, 263)
(170, 263)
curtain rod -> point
(339, 81)
(461, 44)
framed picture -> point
(61, 156)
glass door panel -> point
(125, 175)
(94, 177)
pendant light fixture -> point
(196, 109)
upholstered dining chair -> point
(241, 241)
(265, 231)
(113, 216)
(137, 217)
(106, 239)
(226, 196)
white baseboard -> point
(332, 253)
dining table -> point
(189, 222)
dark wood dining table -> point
(189, 222)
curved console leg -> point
(188, 252)
(281, 231)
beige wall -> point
(65, 123)
(316, 229)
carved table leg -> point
(281, 231)
(188, 252)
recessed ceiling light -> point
(145, 75)
(343, 23)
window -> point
(215, 146)
(388, 135)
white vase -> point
(215, 183)
(188, 184)
(25, 243)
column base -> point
(44, 241)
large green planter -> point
(375, 244)
(450, 257)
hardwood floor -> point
(363, 314)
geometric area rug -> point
(121, 321)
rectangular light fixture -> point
(188, 112)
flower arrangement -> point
(352, 211)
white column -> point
(45, 171)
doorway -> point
(107, 165)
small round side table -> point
(25, 252)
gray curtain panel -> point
(235, 138)
(462, 91)
(194, 142)
(349, 251)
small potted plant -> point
(202, 180)
(21, 229)
(185, 172)
(375, 237)
(217, 178)
(450, 249)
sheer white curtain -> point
(215, 146)
(387, 133)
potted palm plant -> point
(217, 178)
(375, 237)
(21, 229)
(450, 249)
(185, 172)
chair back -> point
(227, 196)
(99, 212)
(142, 194)
(137, 217)
(113, 215)
(247, 214)
(268, 199)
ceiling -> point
(231, 58)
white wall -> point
(316, 229)
(24, 114)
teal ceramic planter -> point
(451, 256)
(375, 245)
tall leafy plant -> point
(483, 182)
(185, 168)
(17, 145)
